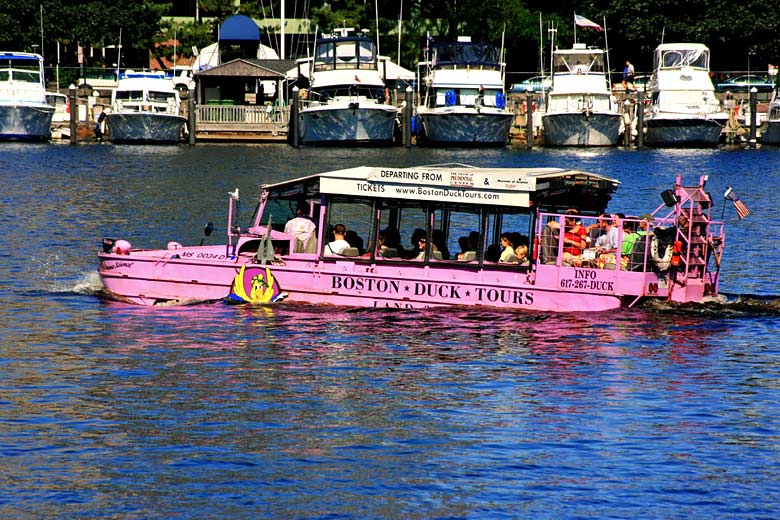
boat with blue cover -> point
(463, 99)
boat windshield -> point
(677, 58)
(345, 53)
(581, 63)
(130, 95)
(463, 53)
(160, 96)
(24, 71)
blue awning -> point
(239, 28)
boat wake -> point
(727, 305)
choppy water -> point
(114, 411)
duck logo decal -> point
(255, 285)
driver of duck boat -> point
(339, 243)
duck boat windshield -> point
(446, 235)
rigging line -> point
(274, 42)
(295, 17)
(303, 41)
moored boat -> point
(346, 103)
(770, 128)
(145, 108)
(24, 113)
(581, 110)
(683, 108)
(674, 256)
(463, 102)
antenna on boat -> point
(541, 47)
(376, 16)
(119, 54)
(606, 50)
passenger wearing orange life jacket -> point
(683, 226)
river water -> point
(213, 411)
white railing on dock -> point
(243, 114)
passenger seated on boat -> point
(521, 254)
(468, 247)
(493, 253)
(354, 241)
(434, 250)
(302, 228)
(606, 241)
(389, 240)
(628, 240)
(573, 239)
(335, 247)
(548, 250)
(417, 234)
(437, 237)
(508, 248)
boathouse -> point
(243, 99)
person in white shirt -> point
(607, 241)
(302, 228)
(337, 246)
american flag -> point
(584, 22)
(742, 210)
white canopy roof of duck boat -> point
(459, 184)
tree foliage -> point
(737, 33)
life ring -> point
(524, 107)
(662, 262)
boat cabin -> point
(146, 92)
(345, 52)
(578, 60)
(461, 212)
(463, 74)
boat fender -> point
(122, 247)
(449, 98)
(524, 107)
(676, 253)
(662, 262)
(501, 100)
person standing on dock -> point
(628, 77)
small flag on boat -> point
(584, 22)
(742, 210)
(357, 79)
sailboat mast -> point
(281, 46)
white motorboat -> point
(24, 113)
(770, 129)
(464, 102)
(683, 108)
(580, 108)
(346, 102)
(145, 108)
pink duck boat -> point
(517, 238)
